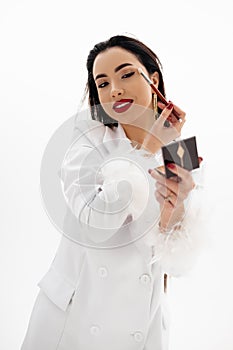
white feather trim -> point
(178, 250)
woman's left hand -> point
(171, 194)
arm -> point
(181, 236)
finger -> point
(179, 189)
(178, 110)
(182, 121)
(181, 172)
(161, 105)
(155, 174)
(200, 159)
(172, 119)
(162, 201)
(163, 181)
(177, 170)
(171, 198)
(163, 190)
(175, 197)
(165, 113)
(172, 186)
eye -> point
(127, 75)
(102, 85)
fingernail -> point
(169, 106)
(149, 171)
(171, 165)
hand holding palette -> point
(183, 153)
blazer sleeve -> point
(101, 183)
(179, 249)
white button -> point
(138, 336)
(95, 330)
(145, 279)
(102, 272)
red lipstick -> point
(122, 105)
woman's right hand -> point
(160, 135)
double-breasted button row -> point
(145, 279)
(138, 336)
(95, 330)
(102, 272)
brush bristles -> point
(140, 71)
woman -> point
(105, 288)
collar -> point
(115, 133)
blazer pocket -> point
(57, 288)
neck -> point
(134, 133)
(137, 131)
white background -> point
(44, 45)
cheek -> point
(103, 95)
(144, 92)
(145, 97)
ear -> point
(155, 78)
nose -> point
(117, 92)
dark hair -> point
(144, 54)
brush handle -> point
(158, 93)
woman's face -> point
(121, 89)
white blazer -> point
(104, 288)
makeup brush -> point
(158, 93)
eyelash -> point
(124, 76)
(101, 86)
(127, 75)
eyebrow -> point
(115, 70)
